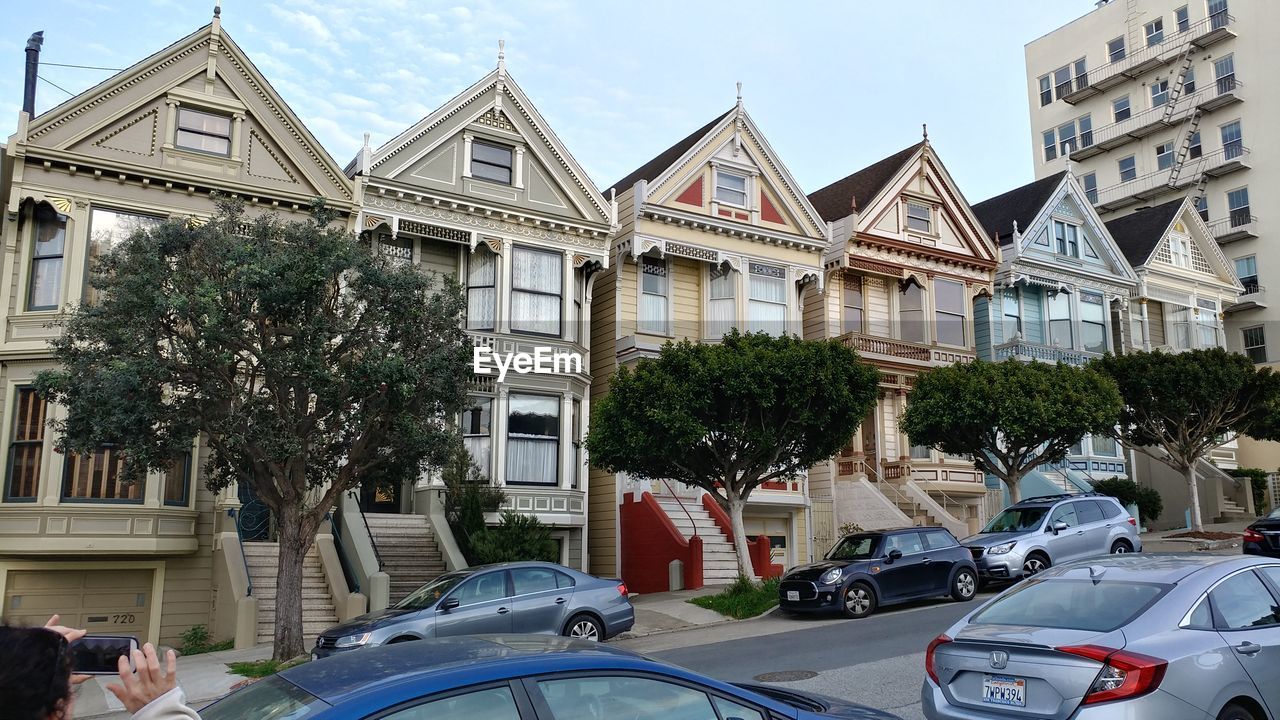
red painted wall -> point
(650, 541)
(768, 212)
(692, 195)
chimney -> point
(33, 67)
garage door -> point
(109, 602)
(778, 530)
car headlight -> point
(1001, 549)
(831, 577)
(352, 640)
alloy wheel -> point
(1032, 565)
(857, 600)
(584, 630)
(1119, 549)
(966, 585)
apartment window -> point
(949, 311)
(1164, 155)
(27, 446)
(1086, 131)
(1115, 50)
(1180, 250)
(399, 251)
(1067, 237)
(536, 286)
(1128, 169)
(722, 302)
(576, 427)
(1067, 138)
(482, 274)
(1060, 334)
(176, 482)
(476, 437)
(654, 293)
(1180, 326)
(766, 298)
(1012, 313)
(1247, 272)
(1104, 445)
(491, 162)
(1046, 91)
(1093, 323)
(1050, 146)
(1202, 207)
(1194, 149)
(1189, 81)
(1232, 140)
(1062, 81)
(107, 229)
(1255, 344)
(533, 440)
(1182, 18)
(911, 312)
(1082, 74)
(853, 303)
(1159, 93)
(1238, 207)
(1224, 72)
(1120, 108)
(45, 291)
(203, 132)
(97, 477)
(919, 217)
(1090, 183)
(731, 189)
(1207, 323)
(1155, 31)
(1218, 13)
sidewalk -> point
(204, 678)
(668, 611)
(1158, 542)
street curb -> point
(1200, 545)
(718, 623)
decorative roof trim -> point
(748, 232)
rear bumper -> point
(1252, 548)
(619, 620)
(1159, 704)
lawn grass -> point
(262, 668)
(743, 599)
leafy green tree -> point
(305, 362)
(468, 496)
(1009, 416)
(728, 417)
(1150, 504)
(1178, 407)
(516, 538)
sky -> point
(834, 86)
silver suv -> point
(1033, 534)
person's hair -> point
(35, 674)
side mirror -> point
(1058, 527)
(894, 554)
(448, 604)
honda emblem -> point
(999, 659)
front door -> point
(909, 574)
(869, 432)
(484, 607)
(378, 498)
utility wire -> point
(81, 67)
(56, 85)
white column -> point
(1146, 325)
(498, 436)
(567, 461)
(466, 155)
(504, 288)
(518, 175)
(236, 134)
(566, 298)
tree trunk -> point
(293, 548)
(1015, 488)
(1189, 472)
(735, 505)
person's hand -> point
(72, 635)
(138, 689)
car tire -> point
(964, 586)
(584, 627)
(1036, 562)
(859, 600)
(1233, 711)
(1120, 547)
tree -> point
(468, 496)
(1009, 416)
(1178, 407)
(305, 362)
(728, 417)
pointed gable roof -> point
(1139, 234)
(842, 197)
(1020, 205)
(666, 158)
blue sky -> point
(833, 85)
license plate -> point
(793, 595)
(1004, 690)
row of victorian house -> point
(711, 233)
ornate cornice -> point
(487, 224)
(747, 232)
(912, 261)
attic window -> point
(919, 217)
(204, 132)
(731, 189)
(491, 162)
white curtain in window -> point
(478, 447)
(536, 285)
(654, 285)
(532, 461)
(721, 302)
(767, 300)
(1180, 338)
(481, 276)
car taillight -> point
(622, 590)
(928, 657)
(1251, 535)
(1123, 675)
(1132, 521)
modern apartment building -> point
(1153, 100)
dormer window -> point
(731, 188)
(1068, 238)
(204, 132)
(491, 162)
(919, 217)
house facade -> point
(151, 142)
(714, 234)
(908, 266)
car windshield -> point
(854, 547)
(271, 699)
(1016, 519)
(1071, 604)
(429, 594)
(1273, 514)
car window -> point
(1109, 508)
(633, 698)
(563, 580)
(532, 580)
(496, 703)
(1016, 519)
(491, 586)
(1242, 601)
(1071, 604)
(1202, 616)
(854, 547)
(909, 543)
(1065, 513)
(271, 699)
(938, 539)
(1088, 511)
(730, 709)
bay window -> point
(476, 435)
(1179, 327)
(854, 303)
(45, 292)
(949, 311)
(721, 301)
(26, 449)
(1012, 313)
(533, 440)
(98, 477)
(1093, 326)
(767, 299)
(107, 229)
(1104, 445)
(176, 482)
(536, 287)
(1207, 323)
(911, 312)
(1060, 334)
(482, 276)
(655, 290)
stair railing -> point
(335, 526)
(238, 516)
(377, 556)
(899, 497)
(680, 502)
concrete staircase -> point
(1059, 479)
(898, 495)
(318, 613)
(407, 546)
(719, 563)
(1230, 511)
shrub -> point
(745, 598)
(1128, 492)
(468, 496)
(196, 641)
(517, 538)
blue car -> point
(513, 677)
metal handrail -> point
(377, 556)
(235, 514)
(680, 502)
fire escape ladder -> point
(1179, 80)
(1180, 160)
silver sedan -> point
(1131, 636)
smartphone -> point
(100, 654)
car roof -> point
(1046, 500)
(429, 664)
(1162, 569)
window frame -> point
(1251, 259)
(1052, 302)
(1049, 139)
(1099, 301)
(59, 259)
(752, 265)
(523, 708)
(650, 326)
(1067, 143)
(1182, 19)
(179, 130)
(71, 463)
(1116, 54)
(1068, 244)
(856, 284)
(1062, 79)
(717, 329)
(1219, 621)
(1046, 90)
(1132, 171)
(492, 286)
(558, 294)
(1154, 31)
(928, 220)
(746, 188)
(1239, 212)
(901, 323)
(188, 465)
(95, 249)
(535, 438)
(963, 315)
(1014, 295)
(1116, 108)
(1159, 89)
(1164, 160)
(491, 144)
(1089, 183)
(1234, 147)
(474, 403)
(15, 443)
(1245, 340)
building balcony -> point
(1153, 120)
(1253, 298)
(1211, 30)
(1238, 226)
(97, 529)
(1225, 91)
(1138, 189)
(1216, 164)
(1032, 352)
(1152, 185)
(923, 355)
